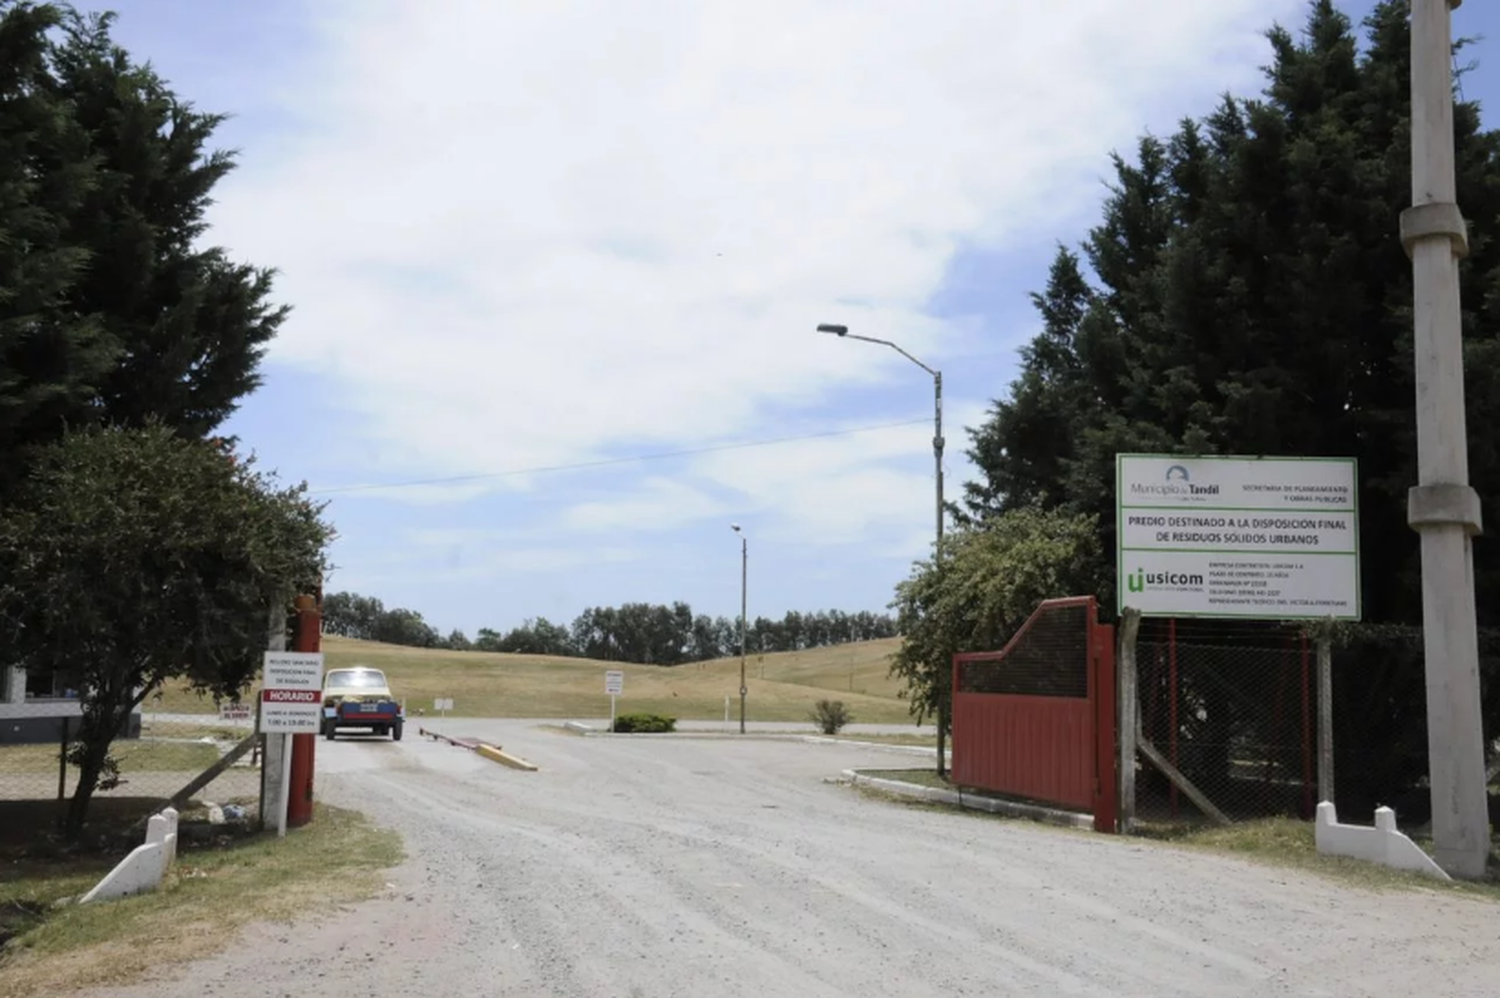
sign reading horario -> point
(1271, 538)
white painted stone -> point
(1382, 844)
(146, 865)
(137, 873)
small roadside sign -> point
(614, 683)
(291, 696)
(234, 712)
(442, 704)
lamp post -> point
(1443, 508)
(842, 332)
(744, 591)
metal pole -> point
(1442, 507)
(1325, 717)
(944, 691)
(744, 603)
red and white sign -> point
(291, 700)
(290, 696)
(234, 712)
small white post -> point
(726, 711)
(611, 712)
(286, 785)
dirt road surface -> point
(716, 868)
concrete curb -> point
(1013, 809)
(778, 736)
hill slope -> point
(487, 684)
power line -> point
(605, 462)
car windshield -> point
(358, 679)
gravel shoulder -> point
(713, 867)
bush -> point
(831, 715)
(647, 724)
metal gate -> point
(1037, 718)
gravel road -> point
(712, 868)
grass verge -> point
(134, 756)
(210, 897)
(1280, 842)
(921, 741)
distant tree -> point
(400, 626)
(132, 558)
(457, 641)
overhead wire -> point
(607, 462)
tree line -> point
(644, 633)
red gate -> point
(1037, 718)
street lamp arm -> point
(888, 343)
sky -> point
(556, 267)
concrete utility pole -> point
(1442, 507)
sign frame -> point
(291, 695)
(614, 686)
(1319, 494)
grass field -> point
(213, 893)
(783, 687)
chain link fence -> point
(155, 758)
(1234, 707)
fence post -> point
(1325, 716)
(62, 762)
(1130, 716)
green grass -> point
(210, 897)
(484, 684)
(134, 756)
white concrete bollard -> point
(1383, 844)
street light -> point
(842, 331)
(744, 589)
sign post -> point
(291, 703)
(442, 705)
(614, 685)
(1250, 538)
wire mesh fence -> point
(1234, 705)
(153, 759)
(1231, 707)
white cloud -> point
(519, 234)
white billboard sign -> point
(291, 696)
(1266, 538)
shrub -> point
(649, 724)
(831, 715)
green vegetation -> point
(644, 724)
(213, 894)
(830, 716)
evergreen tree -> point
(111, 310)
(1249, 296)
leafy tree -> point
(992, 576)
(1246, 294)
(405, 627)
(138, 557)
(111, 311)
